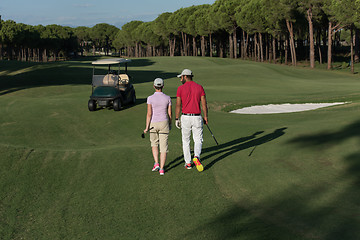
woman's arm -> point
(148, 117)
(170, 115)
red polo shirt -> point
(190, 94)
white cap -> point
(185, 72)
(158, 82)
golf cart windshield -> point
(104, 73)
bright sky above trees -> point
(89, 12)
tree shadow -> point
(226, 149)
(143, 62)
(288, 214)
(236, 146)
(353, 167)
(16, 76)
(149, 76)
(329, 137)
(301, 210)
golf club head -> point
(143, 134)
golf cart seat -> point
(110, 80)
(124, 78)
(105, 80)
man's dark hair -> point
(158, 88)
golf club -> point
(143, 134)
(212, 134)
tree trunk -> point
(268, 51)
(274, 48)
(286, 50)
(243, 45)
(311, 35)
(292, 42)
(184, 43)
(188, 46)
(203, 50)
(211, 45)
(318, 43)
(261, 48)
(136, 50)
(352, 50)
(357, 46)
(194, 47)
(45, 59)
(329, 45)
(280, 48)
(256, 53)
(320, 55)
(221, 51)
(246, 44)
(231, 46)
(235, 42)
(172, 45)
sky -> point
(88, 13)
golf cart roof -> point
(111, 61)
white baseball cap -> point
(185, 72)
(158, 82)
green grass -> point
(67, 173)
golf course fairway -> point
(68, 173)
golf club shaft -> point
(212, 134)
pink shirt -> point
(190, 94)
(159, 104)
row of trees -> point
(53, 42)
(262, 30)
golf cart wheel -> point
(92, 105)
(117, 104)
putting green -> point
(69, 173)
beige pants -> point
(159, 135)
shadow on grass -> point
(16, 76)
(326, 139)
(212, 155)
(310, 210)
(329, 137)
(289, 214)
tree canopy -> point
(261, 30)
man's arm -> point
(178, 107)
(204, 108)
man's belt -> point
(191, 114)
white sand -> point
(283, 108)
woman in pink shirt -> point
(158, 120)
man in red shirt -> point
(189, 96)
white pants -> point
(192, 124)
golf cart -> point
(111, 88)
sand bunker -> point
(283, 108)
